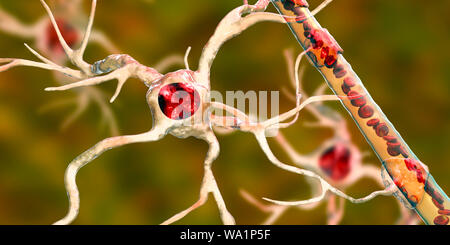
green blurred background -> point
(399, 49)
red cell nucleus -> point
(69, 33)
(335, 162)
(178, 100)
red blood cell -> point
(393, 148)
(429, 189)
(365, 111)
(433, 193)
(345, 89)
(444, 211)
(339, 71)
(349, 81)
(438, 205)
(178, 100)
(353, 95)
(389, 138)
(438, 197)
(382, 129)
(330, 61)
(441, 220)
(403, 151)
(306, 26)
(373, 122)
(394, 145)
(335, 162)
(69, 33)
(356, 99)
(393, 151)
